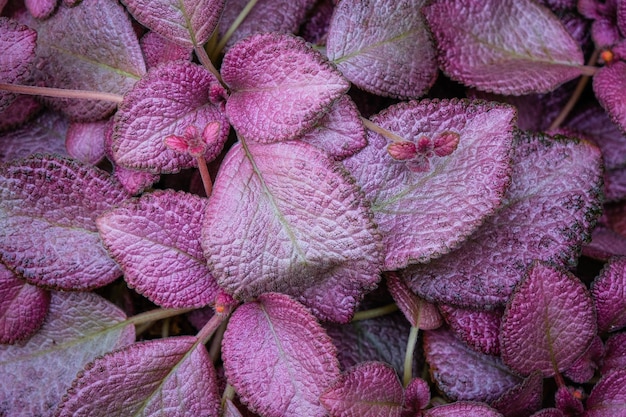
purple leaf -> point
(284, 76)
(21, 110)
(608, 290)
(383, 46)
(162, 229)
(159, 50)
(165, 377)
(48, 235)
(548, 211)
(79, 327)
(569, 404)
(417, 311)
(479, 329)
(170, 99)
(17, 43)
(608, 397)
(615, 353)
(278, 357)
(609, 84)
(615, 184)
(522, 399)
(463, 409)
(548, 412)
(134, 182)
(423, 215)
(605, 243)
(369, 389)
(585, 366)
(23, 307)
(45, 134)
(523, 50)
(548, 322)
(416, 396)
(41, 9)
(88, 47)
(284, 217)
(85, 141)
(462, 373)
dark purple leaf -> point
(278, 357)
(315, 28)
(45, 134)
(41, 9)
(608, 397)
(605, 243)
(548, 323)
(383, 46)
(569, 404)
(608, 291)
(284, 76)
(159, 50)
(22, 109)
(585, 366)
(615, 353)
(479, 329)
(17, 43)
(523, 399)
(165, 377)
(162, 230)
(548, 412)
(615, 184)
(85, 141)
(463, 409)
(609, 84)
(416, 397)
(417, 311)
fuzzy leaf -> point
(608, 397)
(278, 357)
(48, 235)
(463, 409)
(584, 368)
(17, 43)
(85, 141)
(383, 46)
(79, 327)
(171, 98)
(503, 46)
(369, 389)
(417, 395)
(608, 291)
(159, 50)
(165, 377)
(284, 217)
(615, 353)
(548, 211)
(479, 329)
(423, 215)
(186, 22)
(548, 322)
(418, 312)
(280, 74)
(609, 84)
(44, 134)
(522, 399)
(156, 241)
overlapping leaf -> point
(615, 353)
(418, 312)
(608, 397)
(608, 291)
(609, 84)
(46, 133)
(17, 43)
(463, 409)
(423, 215)
(85, 141)
(22, 109)
(584, 368)
(522, 399)
(158, 50)
(479, 329)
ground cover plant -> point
(313, 208)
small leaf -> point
(45, 134)
(418, 312)
(278, 357)
(41, 9)
(608, 290)
(463, 409)
(416, 396)
(609, 85)
(85, 141)
(523, 399)
(479, 329)
(569, 404)
(282, 75)
(585, 366)
(608, 397)
(17, 43)
(21, 110)
(548, 322)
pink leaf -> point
(416, 396)
(401, 151)
(134, 182)
(608, 397)
(262, 232)
(21, 110)
(17, 43)
(523, 399)
(163, 230)
(166, 377)
(608, 291)
(479, 329)
(85, 141)
(278, 357)
(159, 50)
(418, 312)
(609, 84)
(48, 234)
(369, 389)
(79, 327)
(383, 46)
(41, 9)
(615, 354)
(283, 75)
(45, 134)
(463, 409)
(445, 143)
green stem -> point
(61, 93)
(408, 357)
(229, 33)
(375, 312)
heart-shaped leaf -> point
(17, 43)
(383, 46)
(608, 397)
(608, 291)
(548, 322)
(45, 134)
(479, 329)
(525, 50)
(522, 399)
(263, 233)
(165, 377)
(609, 84)
(416, 396)
(423, 215)
(463, 409)
(278, 357)
(284, 76)
(163, 230)
(418, 312)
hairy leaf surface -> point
(17, 43)
(522, 399)
(159, 50)
(85, 141)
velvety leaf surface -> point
(423, 215)
(383, 46)
(48, 235)
(159, 50)
(584, 368)
(284, 217)
(608, 397)
(88, 47)
(462, 373)
(523, 399)
(22, 109)
(479, 329)
(278, 357)
(463, 409)
(418, 312)
(609, 85)
(506, 47)
(85, 141)
(17, 43)
(562, 178)
(45, 134)
(164, 377)
(156, 241)
(23, 307)
(280, 74)
(609, 295)
(548, 322)
(615, 353)
(78, 328)
(369, 389)
(165, 102)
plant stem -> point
(204, 174)
(211, 326)
(206, 62)
(229, 33)
(216, 343)
(381, 131)
(61, 93)
(155, 315)
(375, 312)
(408, 357)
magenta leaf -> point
(262, 233)
(522, 399)
(278, 357)
(549, 412)
(416, 396)
(608, 291)
(569, 404)
(48, 235)
(463, 409)
(159, 50)
(283, 75)
(169, 100)
(548, 323)
(186, 22)
(21, 110)
(615, 353)
(383, 46)
(45, 134)
(609, 84)
(548, 211)
(165, 377)
(479, 329)
(525, 50)
(608, 397)
(133, 181)
(79, 327)
(423, 215)
(17, 43)
(418, 312)
(585, 366)
(605, 243)
(41, 9)
(369, 389)
(85, 141)
(615, 184)
(163, 230)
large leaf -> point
(78, 328)
(278, 357)
(425, 214)
(522, 399)
(608, 291)
(383, 46)
(48, 235)
(46, 134)
(17, 43)
(284, 217)
(503, 46)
